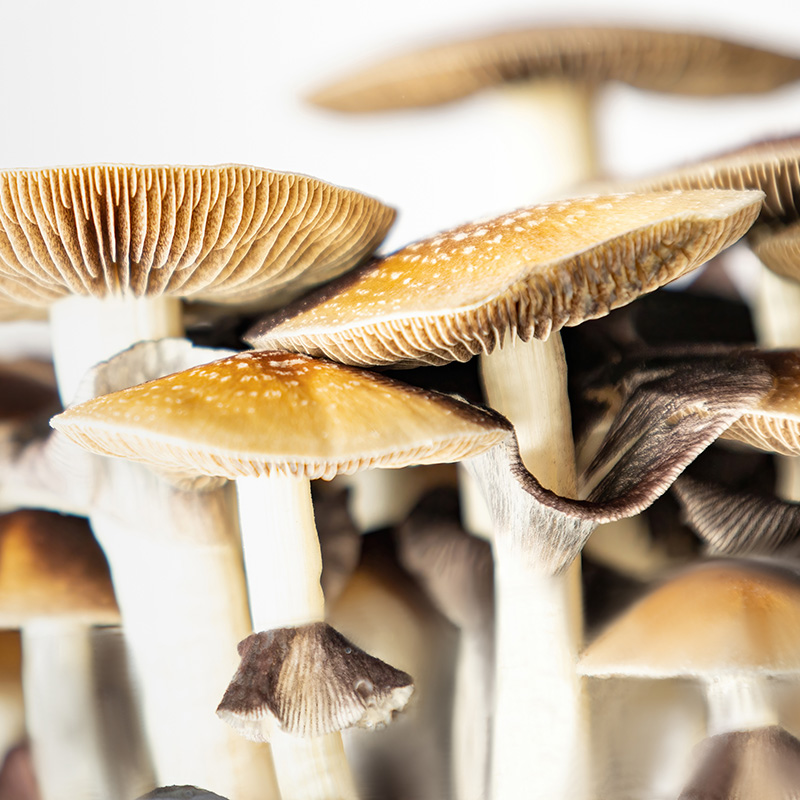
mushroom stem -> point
(182, 631)
(738, 703)
(282, 558)
(12, 711)
(87, 330)
(540, 740)
(63, 727)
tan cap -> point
(263, 413)
(529, 272)
(778, 248)
(656, 60)
(220, 232)
(310, 681)
(717, 618)
(51, 566)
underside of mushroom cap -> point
(218, 233)
(778, 249)
(310, 681)
(529, 272)
(261, 413)
(716, 618)
(655, 60)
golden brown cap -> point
(310, 680)
(774, 424)
(717, 618)
(772, 166)
(656, 60)
(219, 233)
(778, 249)
(263, 413)
(531, 272)
(51, 566)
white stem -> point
(475, 516)
(557, 130)
(473, 707)
(540, 739)
(185, 610)
(283, 563)
(738, 703)
(86, 331)
(60, 711)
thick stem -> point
(738, 703)
(283, 563)
(540, 740)
(182, 630)
(60, 711)
(12, 711)
(86, 331)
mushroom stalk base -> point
(738, 703)
(283, 564)
(88, 330)
(540, 738)
(184, 652)
(60, 707)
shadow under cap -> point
(529, 273)
(665, 61)
(310, 681)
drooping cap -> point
(310, 681)
(762, 763)
(529, 272)
(716, 618)
(51, 566)
(259, 413)
(663, 61)
(222, 233)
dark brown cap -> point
(663, 61)
(221, 233)
(310, 681)
(529, 272)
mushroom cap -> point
(259, 413)
(531, 271)
(716, 618)
(763, 763)
(51, 566)
(664, 61)
(219, 233)
(771, 166)
(310, 681)
(778, 249)
(774, 424)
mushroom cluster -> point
(206, 648)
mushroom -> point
(54, 584)
(475, 289)
(272, 421)
(558, 70)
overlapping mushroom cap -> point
(717, 618)
(227, 232)
(531, 272)
(259, 413)
(655, 60)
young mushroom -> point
(479, 289)
(273, 421)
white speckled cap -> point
(528, 273)
(262, 413)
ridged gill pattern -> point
(655, 60)
(220, 233)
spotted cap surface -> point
(529, 272)
(259, 413)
